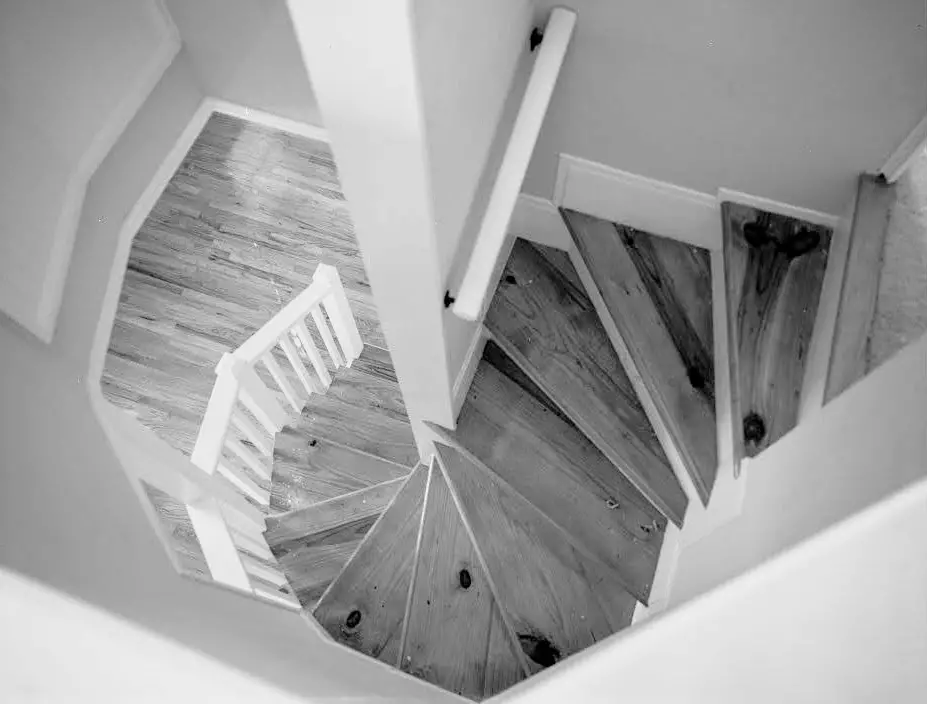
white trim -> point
(538, 220)
(901, 158)
(814, 384)
(663, 576)
(637, 201)
(814, 217)
(284, 124)
(468, 369)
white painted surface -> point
(539, 220)
(493, 230)
(245, 52)
(862, 446)
(72, 78)
(364, 70)
(96, 656)
(275, 122)
(789, 100)
(841, 618)
(637, 201)
(909, 149)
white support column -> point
(217, 544)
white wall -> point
(96, 656)
(69, 516)
(245, 51)
(72, 77)
(788, 100)
(867, 443)
(843, 618)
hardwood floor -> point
(237, 233)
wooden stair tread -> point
(307, 471)
(773, 289)
(452, 610)
(364, 607)
(545, 587)
(313, 544)
(859, 288)
(550, 328)
(552, 465)
(657, 310)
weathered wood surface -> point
(850, 357)
(450, 620)
(657, 310)
(774, 267)
(177, 529)
(313, 544)
(362, 409)
(237, 233)
(548, 590)
(549, 327)
(552, 465)
(365, 606)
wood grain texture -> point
(549, 591)
(364, 607)
(313, 544)
(363, 410)
(657, 295)
(549, 327)
(502, 657)
(237, 233)
(451, 610)
(552, 465)
(178, 531)
(850, 357)
(774, 269)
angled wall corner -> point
(81, 75)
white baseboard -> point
(468, 370)
(538, 220)
(902, 156)
(637, 201)
(815, 217)
(285, 124)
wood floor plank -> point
(544, 585)
(178, 528)
(364, 608)
(774, 266)
(550, 328)
(552, 465)
(503, 668)
(662, 341)
(307, 471)
(313, 544)
(237, 233)
(451, 608)
(859, 288)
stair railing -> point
(477, 281)
(240, 395)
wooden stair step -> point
(548, 326)
(553, 466)
(654, 297)
(774, 269)
(859, 287)
(452, 615)
(308, 470)
(556, 600)
(313, 544)
(364, 607)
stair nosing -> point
(455, 444)
(603, 447)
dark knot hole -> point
(353, 619)
(465, 579)
(754, 428)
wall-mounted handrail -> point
(477, 279)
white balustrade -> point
(243, 416)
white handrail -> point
(477, 280)
(238, 388)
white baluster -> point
(339, 312)
(258, 399)
(244, 484)
(218, 544)
(309, 384)
(252, 433)
(277, 373)
(249, 458)
(258, 569)
(326, 333)
(313, 353)
(215, 424)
